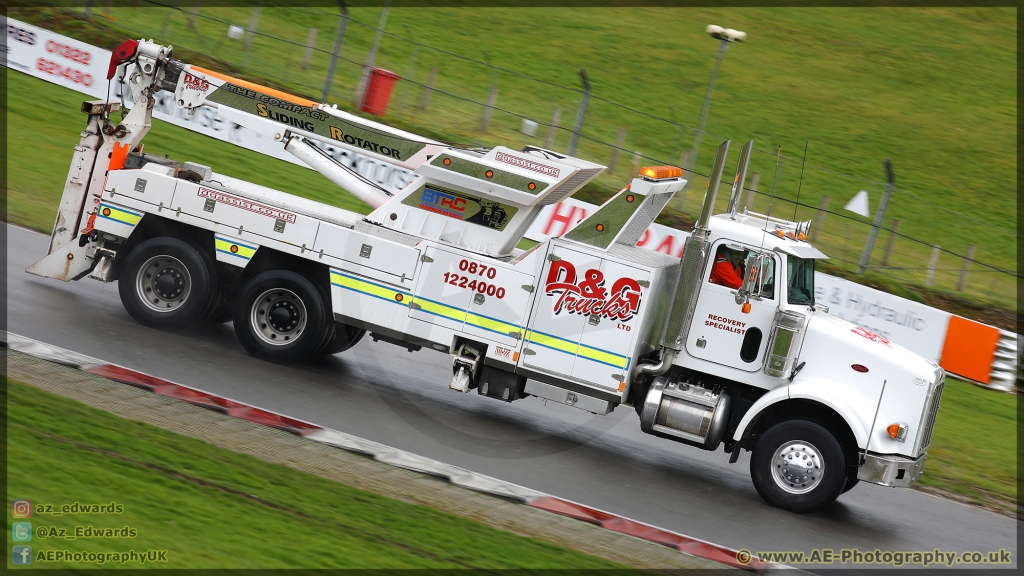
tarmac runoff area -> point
(343, 458)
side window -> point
(727, 266)
(768, 289)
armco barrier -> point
(388, 455)
(992, 361)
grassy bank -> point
(213, 508)
(984, 472)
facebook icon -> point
(22, 555)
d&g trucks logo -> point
(195, 83)
(588, 295)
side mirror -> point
(756, 268)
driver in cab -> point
(727, 269)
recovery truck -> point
(587, 319)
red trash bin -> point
(378, 91)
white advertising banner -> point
(82, 67)
(912, 325)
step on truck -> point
(723, 346)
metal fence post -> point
(615, 150)
(555, 117)
(892, 239)
(371, 58)
(167, 24)
(879, 216)
(637, 158)
(755, 178)
(492, 99)
(412, 69)
(191, 17)
(429, 88)
(967, 265)
(334, 52)
(684, 159)
(88, 8)
(932, 263)
(253, 21)
(820, 219)
(310, 44)
(580, 112)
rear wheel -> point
(167, 284)
(798, 466)
(280, 317)
(344, 337)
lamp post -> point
(726, 36)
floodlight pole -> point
(724, 45)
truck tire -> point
(798, 466)
(167, 284)
(280, 317)
(344, 337)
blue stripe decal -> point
(234, 254)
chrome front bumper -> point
(890, 470)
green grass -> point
(213, 508)
(974, 446)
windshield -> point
(800, 287)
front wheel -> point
(280, 317)
(798, 466)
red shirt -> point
(724, 274)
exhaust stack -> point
(740, 179)
(690, 269)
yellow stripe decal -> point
(235, 248)
(370, 288)
(603, 357)
(119, 214)
(553, 342)
(438, 309)
(577, 349)
(492, 324)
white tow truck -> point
(588, 319)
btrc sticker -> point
(463, 207)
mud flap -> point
(67, 263)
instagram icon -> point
(21, 508)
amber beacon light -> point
(661, 172)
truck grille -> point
(931, 404)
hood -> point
(862, 363)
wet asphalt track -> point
(388, 395)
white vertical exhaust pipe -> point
(352, 182)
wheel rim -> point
(163, 283)
(278, 317)
(797, 467)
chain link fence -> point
(468, 101)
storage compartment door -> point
(606, 347)
(498, 308)
(442, 294)
(555, 326)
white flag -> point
(859, 204)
